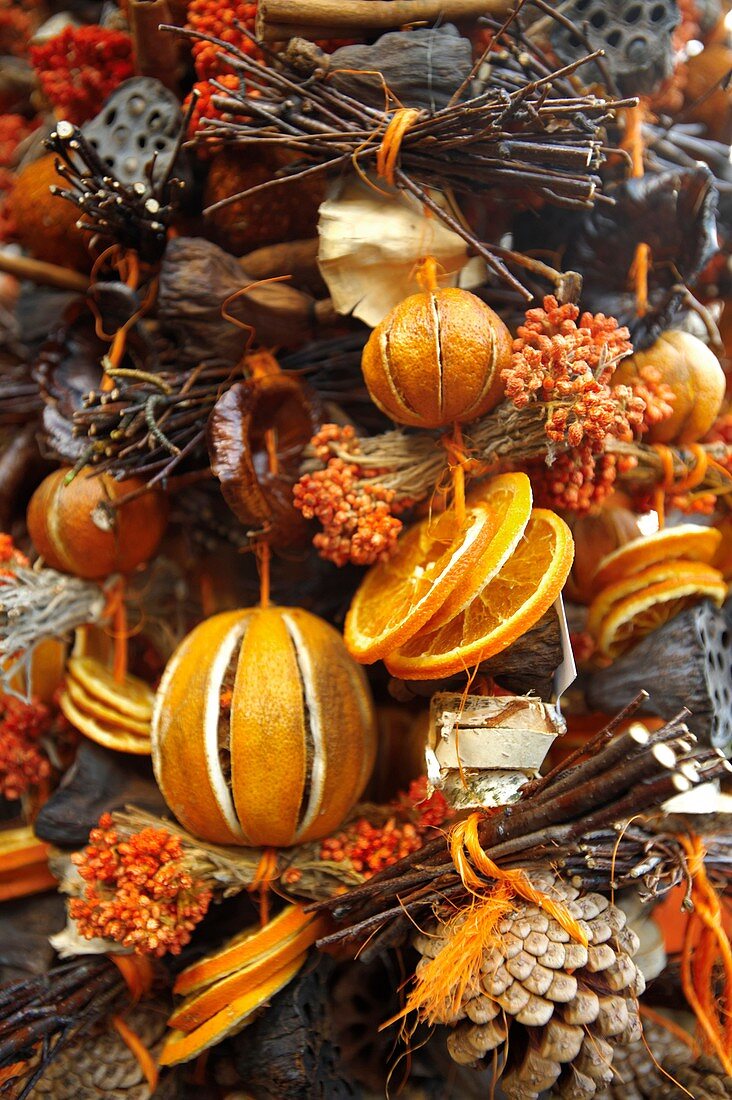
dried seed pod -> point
(555, 1024)
(437, 358)
(257, 485)
(263, 730)
(76, 528)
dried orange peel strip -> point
(687, 541)
(509, 605)
(201, 1006)
(637, 615)
(672, 570)
(181, 1046)
(243, 950)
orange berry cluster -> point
(78, 68)
(656, 394)
(370, 848)
(554, 358)
(23, 764)
(357, 515)
(577, 481)
(138, 891)
(219, 20)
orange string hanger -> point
(706, 945)
(633, 142)
(265, 873)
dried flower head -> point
(138, 891)
(569, 366)
(357, 514)
(369, 848)
(78, 68)
(23, 764)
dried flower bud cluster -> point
(577, 481)
(23, 764)
(78, 68)
(370, 848)
(555, 359)
(357, 516)
(138, 891)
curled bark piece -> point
(281, 19)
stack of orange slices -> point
(646, 582)
(224, 990)
(114, 714)
(455, 594)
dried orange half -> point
(607, 599)
(637, 615)
(433, 560)
(688, 541)
(509, 605)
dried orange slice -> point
(91, 706)
(509, 605)
(607, 599)
(637, 615)
(688, 541)
(111, 736)
(509, 500)
(397, 597)
(132, 696)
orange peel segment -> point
(243, 950)
(397, 597)
(509, 605)
(608, 597)
(688, 541)
(637, 615)
(509, 499)
(181, 1046)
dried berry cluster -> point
(357, 515)
(23, 764)
(138, 891)
(78, 68)
(220, 21)
(370, 848)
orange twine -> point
(688, 481)
(265, 873)
(698, 958)
(391, 143)
(465, 847)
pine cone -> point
(636, 1075)
(554, 1003)
(705, 1079)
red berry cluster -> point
(138, 891)
(78, 68)
(23, 764)
(357, 514)
(370, 848)
(569, 366)
(219, 20)
(577, 481)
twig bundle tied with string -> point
(525, 128)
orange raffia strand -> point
(138, 973)
(117, 611)
(686, 483)
(468, 856)
(698, 958)
(131, 275)
(633, 142)
(140, 1051)
(265, 874)
(391, 143)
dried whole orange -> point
(696, 378)
(437, 358)
(76, 531)
(509, 605)
(595, 535)
(263, 731)
(45, 224)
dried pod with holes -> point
(78, 527)
(696, 378)
(263, 729)
(556, 1009)
(436, 359)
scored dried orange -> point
(688, 541)
(509, 605)
(433, 560)
(637, 615)
(612, 594)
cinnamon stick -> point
(278, 20)
(37, 271)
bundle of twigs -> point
(527, 128)
(40, 1016)
(590, 818)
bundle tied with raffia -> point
(531, 971)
